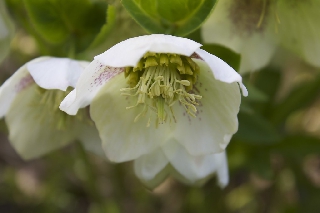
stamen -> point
(262, 13)
(47, 103)
(163, 80)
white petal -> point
(55, 73)
(195, 168)
(90, 82)
(68, 101)
(88, 135)
(216, 118)
(221, 70)
(32, 131)
(122, 138)
(129, 52)
(256, 46)
(148, 166)
(222, 170)
(299, 28)
(8, 91)
(158, 179)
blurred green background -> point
(274, 159)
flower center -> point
(159, 81)
(48, 101)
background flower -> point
(255, 29)
(29, 102)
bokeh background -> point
(274, 159)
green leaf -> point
(148, 21)
(255, 129)
(298, 98)
(195, 36)
(230, 57)
(72, 23)
(124, 27)
(106, 29)
(176, 17)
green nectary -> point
(161, 79)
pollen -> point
(161, 80)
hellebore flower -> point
(30, 100)
(6, 31)
(159, 94)
(255, 28)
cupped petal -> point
(32, 128)
(122, 138)
(235, 24)
(130, 51)
(8, 91)
(147, 166)
(88, 135)
(221, 70)
(216, 118)
(222, 170)
(299, 30)
(196, 168)
(158, 179)
(90, 82)
(56, 73)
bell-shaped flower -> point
(174, 160)
(6, 31)
(160, 94)
(255, 28)
(29, 101)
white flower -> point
(6, 31)
(255, 28)
(177, 102)
(29, 100)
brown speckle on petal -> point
(103, 73)
(24, 83)
(196, 56)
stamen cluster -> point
(160, 80)
(48, 103)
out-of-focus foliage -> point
(6, 31)
(176, 17)
(64, 28)
(273, 159)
